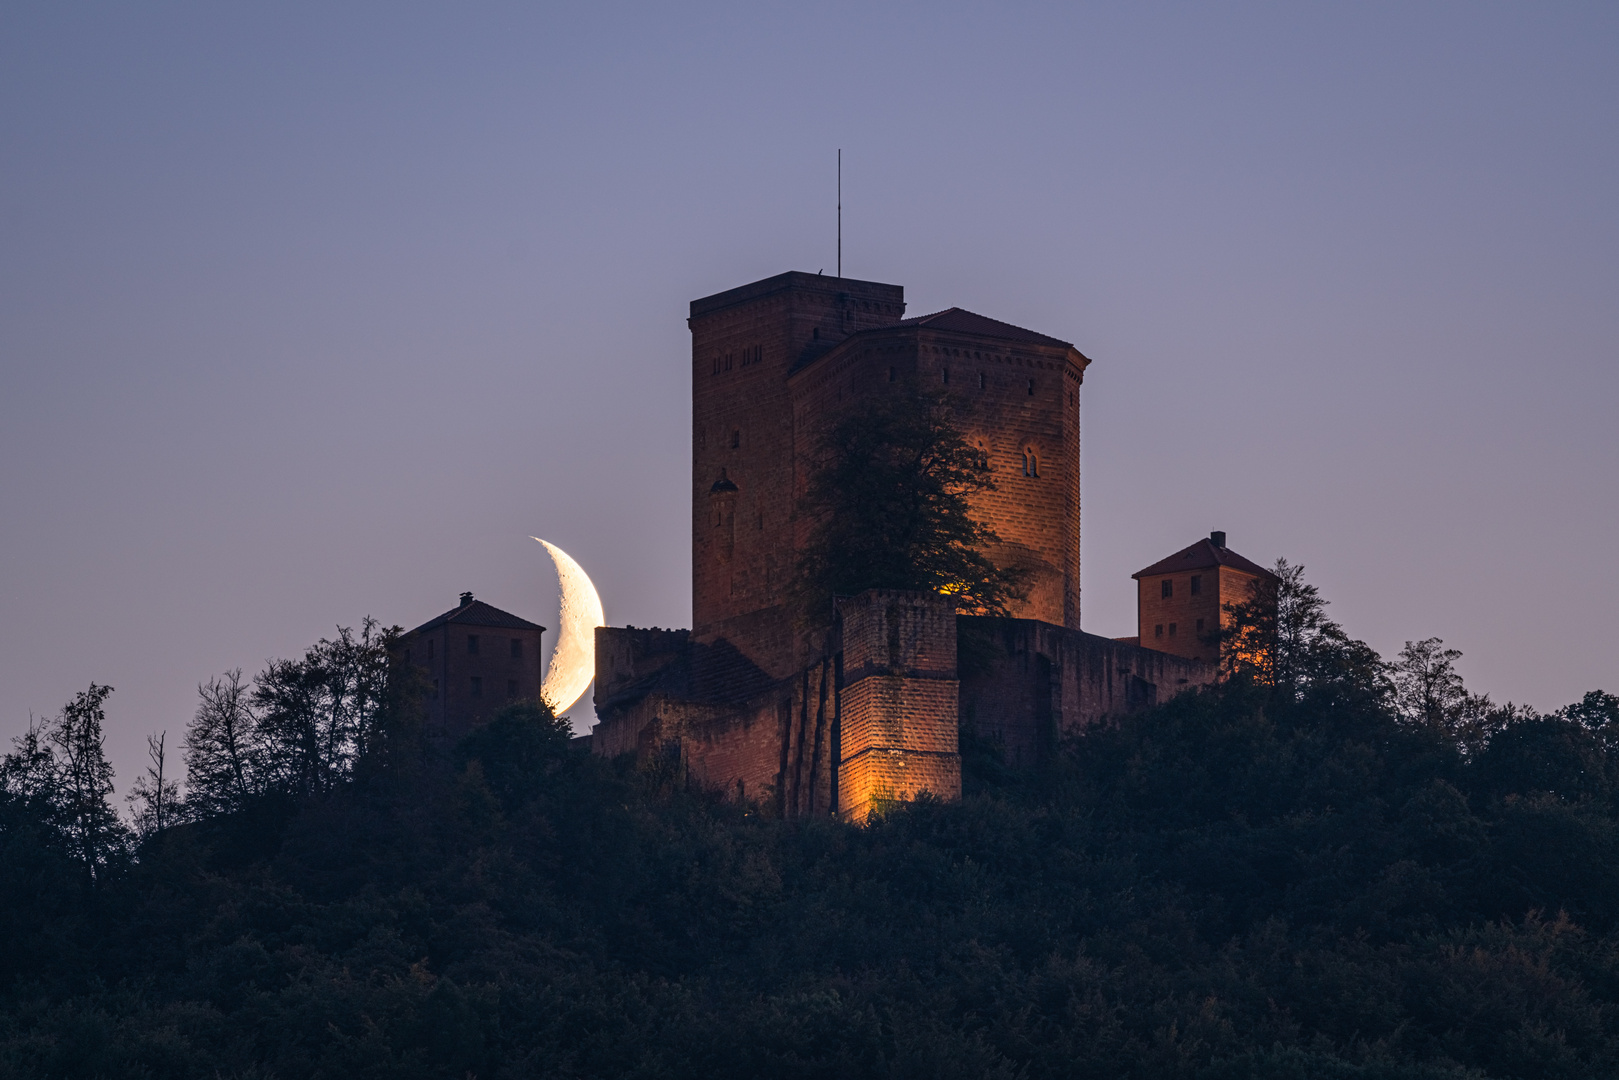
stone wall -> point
(744, 342)
(1027, 684)
(897, 733)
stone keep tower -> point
(744, 343)
(1180, 601)
(775, 362)
(750, 704)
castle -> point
(749, 703)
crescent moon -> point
(573, 662)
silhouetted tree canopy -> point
(1300, 877)
(890, 501)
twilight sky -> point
(309, 311)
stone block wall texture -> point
(455, 703)
(1021, 402)
(744, 343)
(898, 734)
(752, 705)
(627, 656)
(1036, 683)
(1171, 624)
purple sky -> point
(314, 311)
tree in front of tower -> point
(890, 496)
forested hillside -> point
(1334, 868)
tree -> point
(342, 712)
(1280, 637)
(1599, 712)
(518, 749)
(890, 498)
(59, 772)
(155, 797)
(28, 774)
(221, 749)
(318, 715)
(1431, 693)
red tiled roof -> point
(1199, 556)
(478, 613)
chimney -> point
(1216, 538)
(466, 597)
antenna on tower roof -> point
(840, 213)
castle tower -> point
(475, 659)
(1021, 392)
(1180, 601)
(744, 342)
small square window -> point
(517, 648)
(1158, 631)
(511, 687)
(477, 686)
(1166, 588)
(472, 644)
(1171, 629)
(1197, 585)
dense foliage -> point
(1300, 878)
(889, 493)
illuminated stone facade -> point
(1181, 600)
(833, 722)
